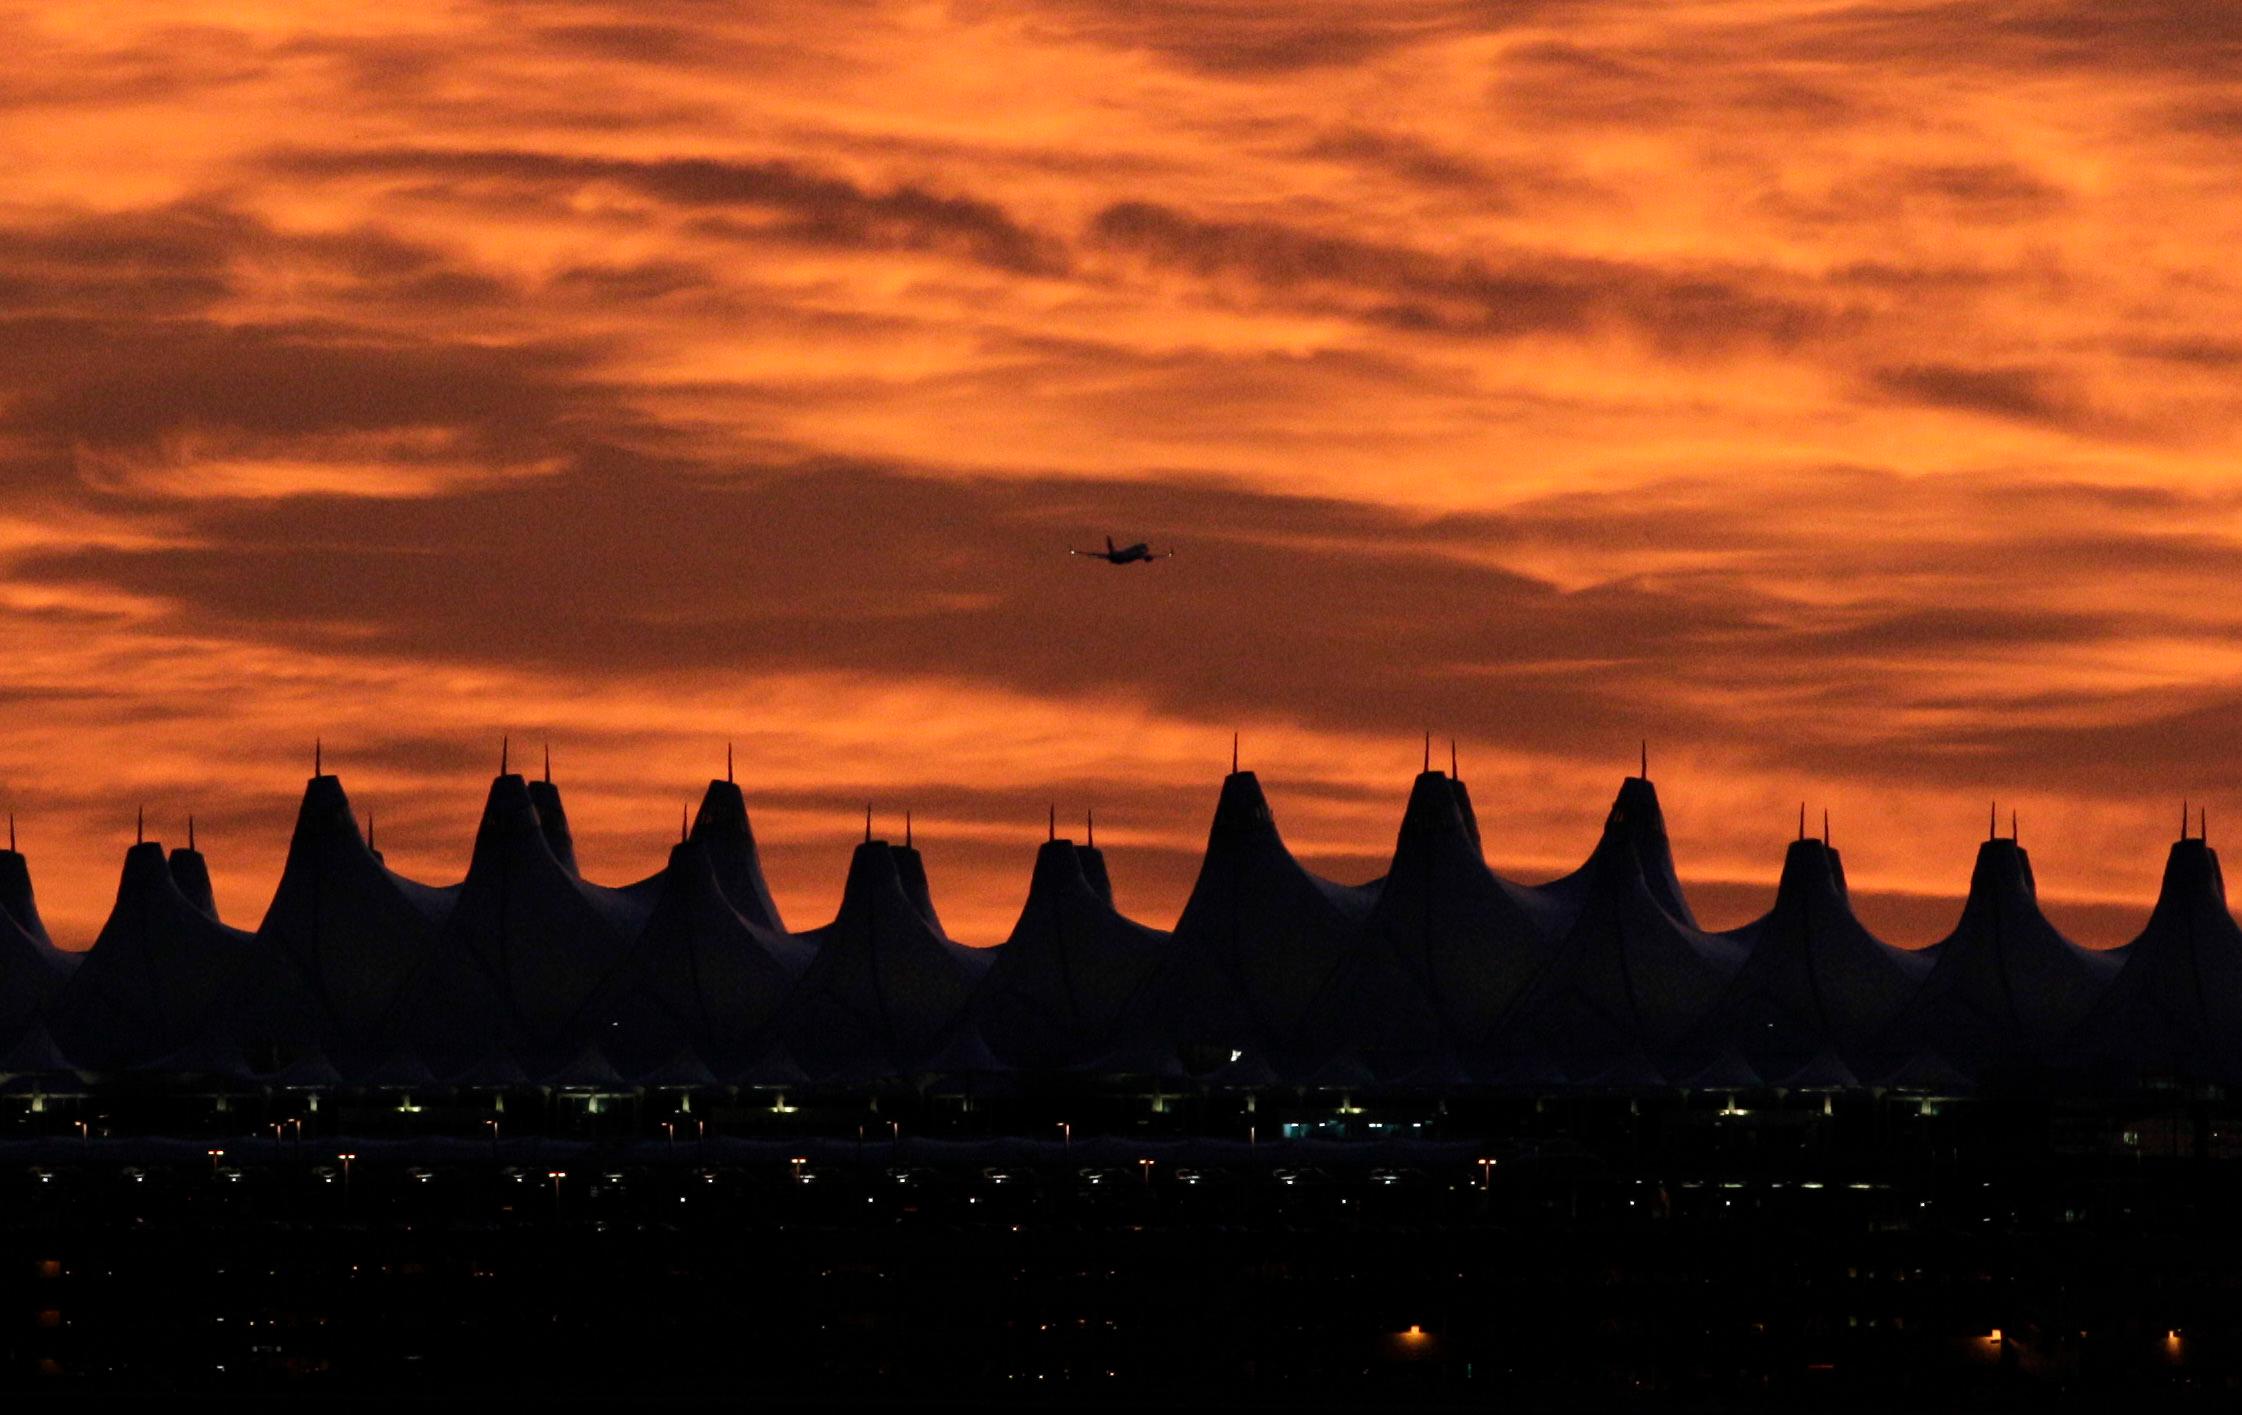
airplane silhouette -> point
(1126, 555)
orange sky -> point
(1842, 396)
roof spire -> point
(1233, 754)
(1992, 820)
(548, 762)
(684, 832)
(140, 826)
(867, 822)
(2202, 825)
(727, 761)
(1428, 751)
(190, 830)
(906, 828)
(1825, 827)
(1054, 829)
(1646, 759)
(369, 827)
(1090, 829)
(2183, 818)
(505, 744)
(1451, 759)
(318, 756)
(2012, 825)
(11, 832)
(1802, 820)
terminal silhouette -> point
(1440, 976)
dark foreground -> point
(1622, 1254)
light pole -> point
(1486, 1174)
(1144, 1167)
(1066, 1134)
(346, 1159)
(215, 1156)
(556, 1175)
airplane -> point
(1126, 555)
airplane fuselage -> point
(1121, 555)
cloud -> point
(1416, 290)
(808, 206)
(1784, 384)
(1261, 38)
(2024, 394)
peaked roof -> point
(1632, 971)
(721, 828)
(1449, 943)
(910, 869)
(1259, 941)
(2005, 987)
(32, 969)
(342, 937)
(1059, 983)
(34, 1053)
(1092, 861)
(552, 818)
(684, 1070)
(1813, 977)
(191, 872)
(155, 974)
(886, 983)
(698, 972)
(2176, 1004)
(524, 946)
(18, 903)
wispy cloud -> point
(1841, 396)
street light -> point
(1486, 1174)
(556, 1175)
(1066, 1134)
(346, 1159)
(1144, 1167)
(215, 1156)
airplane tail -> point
(1109, 545)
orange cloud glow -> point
(1843, 397)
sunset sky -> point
(1842, 396)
